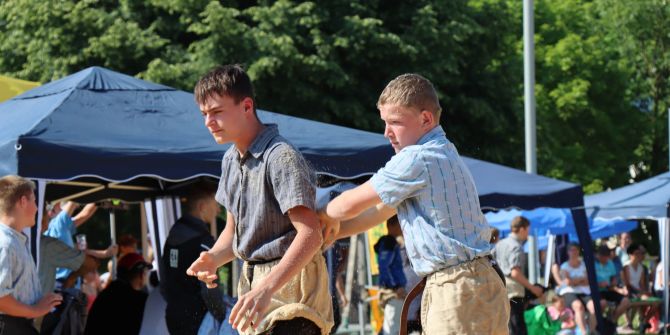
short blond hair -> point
(12, 188)
(411, 90)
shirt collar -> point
(434, 134)
(23, 238)
(263, 139)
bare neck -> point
(12, 222)
(253, 130)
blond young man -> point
(433, 193)
(269, 193)
(21, 299)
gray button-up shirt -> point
(18, 274)
(509, 254)
(259, 189)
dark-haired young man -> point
(268, 190)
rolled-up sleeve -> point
(402, 178)
(293, 180)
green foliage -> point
(328, 61)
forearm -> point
(222, 251)
(518, 276)
(99, 254)
(85, 214)
(366, 220)
(10, 306)
(306, 244)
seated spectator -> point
(558, 311)
(574, 287)
(120, 307)
(609, 291)
(635, 278)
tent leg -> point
(112, 232)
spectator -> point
(187, 239)
(512, 261)
(120, 307)
(574, 287)
(607, 284)
(392, 279)
(63, 226)
(558, 311)
(20, 295)
(127, 244)
(635, 278)
(414, 310)
(621, 251)
(495, 235)
(56, 254)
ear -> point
(427, 119)
(248, 104)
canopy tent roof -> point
(649, 198)
(556, 221)
(11, 87)
(98, 125)
(502, 187)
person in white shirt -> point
(574, 288)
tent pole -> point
(112, 232)
(549, 259)
(532, 257)
(349, 281)
(143, 232)
(664, 227)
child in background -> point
(557, 310)
(392, 279)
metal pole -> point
(549, 260)
(112, 228)
(529, 85)
(532, 257)
(349, 281)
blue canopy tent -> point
(648, 199)
(557, 221)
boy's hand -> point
(48, 301)
(250, 308)
(330, 229)
(205, 269)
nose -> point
(208, 119)
(387, 131)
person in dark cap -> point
(120, 307)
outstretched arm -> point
(359, 209)
(85, 214)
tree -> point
(636, 28)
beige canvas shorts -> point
(306, 295)
(468, 298)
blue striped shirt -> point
(18, 274)
(437, 203)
